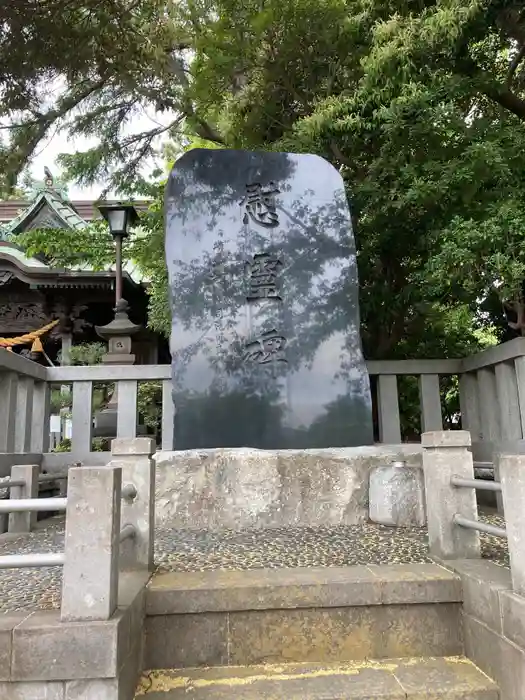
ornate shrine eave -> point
(34, 272)
(64, 214)
(11, 209)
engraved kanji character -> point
(259, 204)
(268, 348)
(263, 277)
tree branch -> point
(205, 130)
(507, 99)
(202, 127)
(514, 65)
(338, 154)
(41, 125)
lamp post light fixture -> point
(120, 217)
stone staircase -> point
(360, 632)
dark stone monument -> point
(264, 298)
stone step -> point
(453, 678)
(327, 615)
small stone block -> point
(132, 608)
(483, 647)
(130, 672)
(7, 625)
(512, 674)
(446, 438)
(138, 469)
(450, 676)
(513, 617)
(94, 689)
(184, 641)
(396, 496)
(311, 635)
(420, 630)
(41, 690)
(46, 649)
(496, 656)
(483, 582)
(133, 446)
(406, 584)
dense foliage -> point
(420, 104)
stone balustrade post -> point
(512, 478)
(24, 522)
(8, 392)
(445, 454)
(90, 576)
(134, 457)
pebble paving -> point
(199, 550)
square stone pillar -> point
(446, 454)
(512, 478)
(90, 577)
(134, 457)
(24, 522)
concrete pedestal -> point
(243, 487)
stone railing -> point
(106, 562)
(24, 411)
(491, 383)
(493, 597)
(126, 378)
(105, 507)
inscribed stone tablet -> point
(264, 298)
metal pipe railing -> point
(478, 525)
(51, 477)
(23, 561)
(42, 478)
(35, 505)
(127, 532)
(479, 484)
(9, 483)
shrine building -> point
(33, 294)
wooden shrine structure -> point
(33, 294)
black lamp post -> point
(120, 217)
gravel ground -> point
(188, 550)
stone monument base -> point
(248, 488)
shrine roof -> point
(65, 213)
(48, 206)
(14, 262)
(11, 209)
